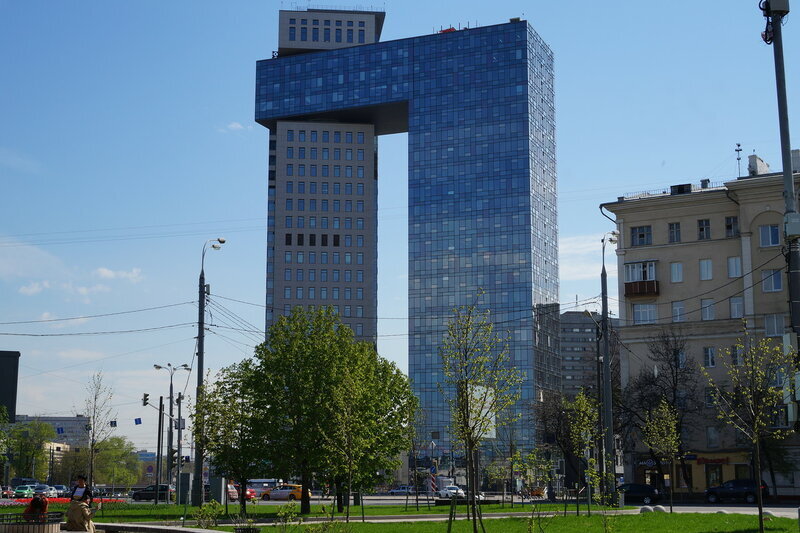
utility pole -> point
(159, 445)
(608, 417)
(775, 11)
(197, 482)
(180, 450)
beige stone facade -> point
(705, 260)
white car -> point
(450, 491)
(402, 490)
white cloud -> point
(235, 126)
(20, 260)
(34, 287)
(77, 354)
(133, 275)
(15, 161)
(580, 258)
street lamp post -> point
(171, 369)
(608, 417)
(197, 482)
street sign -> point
(149, 469)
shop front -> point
(702, 470)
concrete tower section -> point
(478, 107)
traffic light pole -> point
(180, 450)
(170, 463)
(160, 441)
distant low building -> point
(72, 430)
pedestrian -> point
(36, 511)
(79, 514)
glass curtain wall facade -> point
(478, 108)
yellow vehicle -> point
(284, 492)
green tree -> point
(660, 434)
(99, 411)
(372, 409)
(230, 424)
(482, 386)
(327, 405)
(116, 463)
(750, 395)
(27, 444)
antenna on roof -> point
(739, 159)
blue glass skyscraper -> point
(478, 107)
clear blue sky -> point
(127, 139)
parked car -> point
(285, 492)
(450, 491)
(637, 492)
(23, 491)
(17, 481)
(46, 490)
(149, 493)
(249, 495)
(62, 491)
(736, 489)
(402, 490)
(6, 492)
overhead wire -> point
(84, 317)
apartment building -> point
(579, 351)
(703, 261)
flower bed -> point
(26, 501)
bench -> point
(20, 523)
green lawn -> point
(650, 523)
(125, 512)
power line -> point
(84, 317)
(87, 333)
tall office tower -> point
(323, 193)
(477, 104)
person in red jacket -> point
(36, 511)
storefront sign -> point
(710, 461)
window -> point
(361, 37)
(644, 271)
(287, 222)
(736, 355)
(299, 293)
(289, 170)
(731, 227)
(288, 239)
(289, 135)
(737, 306)
(680, 356)
(771, 281)
(292, 33)
(674, 232)
(360, 258)
(641, 236)
(709, 357)
(707, 309)
(287, 274)
(287, 257)
(676, 272)
(678, 312)
(773, 325)
(734, 267)
(360, 137)
(706, 269)
(712, 441)
(287, 292)
(770, 235)
(644, 313)
(703, 229)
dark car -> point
(736, 489)
(149, 493)
(646, 494)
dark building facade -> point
(579, 360)
(9, 377)
(478, 107)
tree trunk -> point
(339, 498)
(759, 499)
(305, 501)
(242, 495)
(768, 457)
(471, 486)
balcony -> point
(641, 288)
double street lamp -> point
(169, 367)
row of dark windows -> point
(299, 239)
(312, 153)
(326, 136)
(300, 205)
(324, 222)
(643, 235)
(311, 293)
(335, 258)
(325, 170)
(311, 275)
(326, 22)
(324, 188)
(326, 35)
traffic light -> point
(145, 399)
(172, 459)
